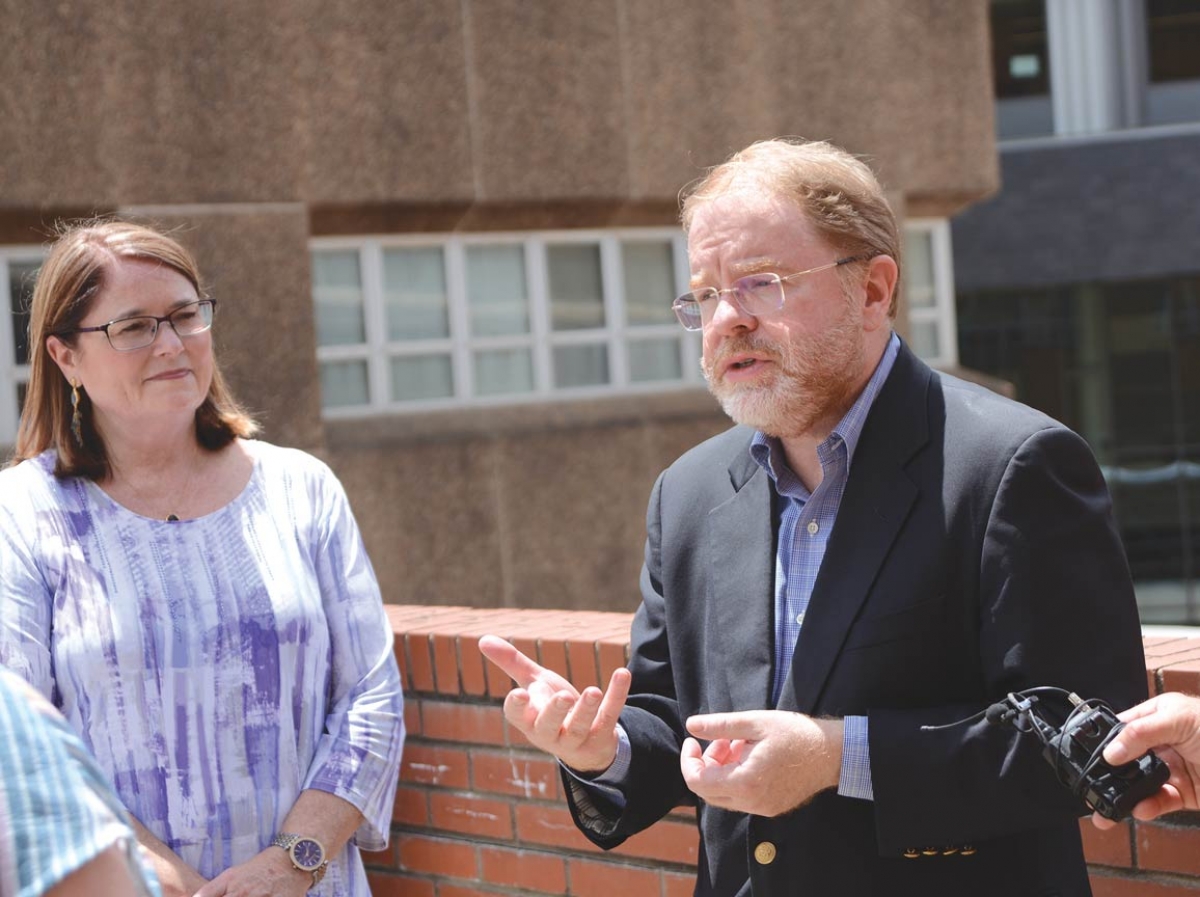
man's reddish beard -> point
(812, 381)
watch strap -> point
(285, 840)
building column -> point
(1097, 62)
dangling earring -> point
(76, 415)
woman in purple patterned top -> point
(198, 604)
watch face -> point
(308, 854)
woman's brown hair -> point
(72, 276)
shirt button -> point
(812, 527)
(764, 853)
(800, 618)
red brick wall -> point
(479, 812)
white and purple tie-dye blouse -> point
(217, 666)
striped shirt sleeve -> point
(56, 812)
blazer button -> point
(764, 853)
(967, 850)
(912, 853)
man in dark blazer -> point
(835, 589)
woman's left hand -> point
(269, 874)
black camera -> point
(1075, 748)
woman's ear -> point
(63, 356)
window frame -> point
(12, 375)
(615, 335)
(941, 313)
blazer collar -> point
(879, 495)
(741, 573)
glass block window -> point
(408, 323)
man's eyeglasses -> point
(139, 331)
(755, 294)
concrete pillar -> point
(1096, 63)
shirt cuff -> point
(608, 782)
(855, 777)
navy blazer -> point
(974, 554)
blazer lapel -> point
(741, 552)
(878, 497)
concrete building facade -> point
(443, 232)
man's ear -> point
(63, 356)
(880, 284)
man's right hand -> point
(580, 729)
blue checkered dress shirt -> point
(805, 525)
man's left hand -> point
(764, 762)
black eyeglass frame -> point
(158, 322)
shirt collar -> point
(767, 451)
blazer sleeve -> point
(651, 717)
(1055, 608)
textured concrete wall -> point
(385, 101)
(538, 512)
(256, 124)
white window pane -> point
(503, 372)
(576, 287)
(496, 290)
(414, 293)
(338, 296)
(422, 377)
(21, 276)
(649, 282)
(343, 383)
(654, 359)
(918, 268)
(580, 365)
(923, 339)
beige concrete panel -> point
(667, 440)
(256, 265)
(574, 516)
(515, 518)
(207, 100)
(905, 83)
(54, 78)
(936, 100)
(389, 106)
(230, 101)
(548, 118)
(429, 517)
(485, 101)
(192, 102)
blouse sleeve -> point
(358, 755)
(25, 595)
